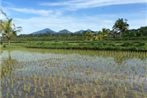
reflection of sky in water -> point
(44, 64)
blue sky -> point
(74, 15)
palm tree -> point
(7, 28)
(105, 32)
(120, 26)
(0, 26)
(1, 34)
(89, 36)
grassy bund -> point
(84, 45)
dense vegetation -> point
(88, 35)
(119, 38)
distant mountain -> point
(81, 31)
(89, 30)
(84, 31)
(44, 31)
(64, 31)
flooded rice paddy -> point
(30, 73)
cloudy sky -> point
(74, 15)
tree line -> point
(119, 31)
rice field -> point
(40, 73)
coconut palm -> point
(105, 32)
(0, 26)
(1, 30)
(7, 28)
(120, 26)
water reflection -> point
(38, 72)
(7, 65)
(29, 62)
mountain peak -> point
(64, 31)
(44, 31)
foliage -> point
(7, 27)
(86, 45)
(120, 26)
(104, 34)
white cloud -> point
(71, 23)
(74, 23)
(82, 4)
(136, 23)
(58, 23)
(1, 16)
(33, 11)
(57, 20)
